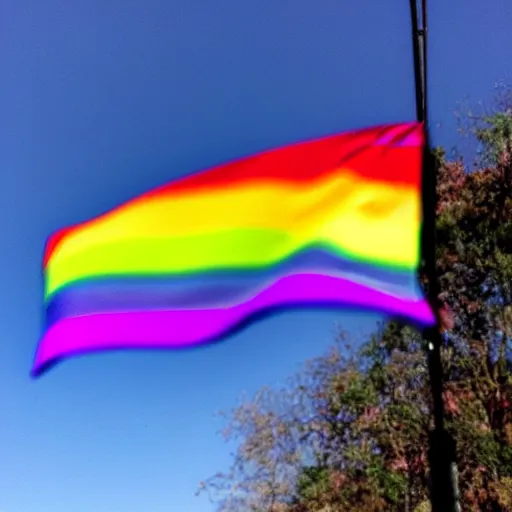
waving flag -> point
(329, 223)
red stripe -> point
(317, 159)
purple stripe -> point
(178, 329)
(182, 294)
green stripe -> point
(189, 255)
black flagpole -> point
(443, 492)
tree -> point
(349, 432)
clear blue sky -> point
(103, 100)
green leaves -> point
(495, 135)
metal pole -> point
(444, 492)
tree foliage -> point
(350, 431)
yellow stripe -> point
(369, 219)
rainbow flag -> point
(330, 223)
